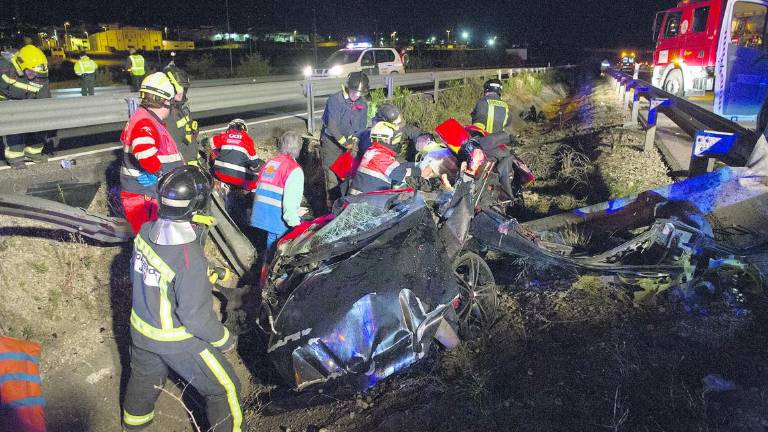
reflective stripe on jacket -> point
(166, 152)
(234, 156)
(172, 301)
(85, 66)
(491, 114)
(375, 170)
(137, 64)
(21, 397)
(267, 211)
(15, 87)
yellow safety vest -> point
(85, 66)
(137, 65)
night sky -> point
(592, 23)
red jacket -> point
(234, 159)
(380, 170)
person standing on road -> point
(85, 68)
(491, 113)
(24, 76)
(135, 67)
(344, 118)
(279, 190)
(173, 324)
(148, 151)
(183, 129)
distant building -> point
(287, 37)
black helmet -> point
(238, 124)
(358, 81)
(493, 86)
(183, 192)
(388, 113)
(472, 153)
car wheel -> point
(478, 301)
(674, 83)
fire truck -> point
(714, 45)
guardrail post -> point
(636, 75)
(310, 93)
(499, 74)
(620, 89)
(630, 85)
(390, 81)
(653, 115)
(437, 86)
(636, 104)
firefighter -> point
(277, 200)
(85, 68)
(345, 117)
(148, 151)
(24, 76)
(183, 129)
(135, 67)
(173, 324)
(491, 113)
(405, 134)
(21, 396)
(379, 168)
(234, 156)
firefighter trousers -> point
(204, 367)
(329, 152)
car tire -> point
(674, 83)
(478, 301)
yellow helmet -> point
(31, 58)
(158, 85)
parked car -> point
(359, 58)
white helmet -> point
(157, 85)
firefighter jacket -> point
(135, 65)
(85, 66)
(172, 302)
(380, 170)
(234, 159)
(401, 141)
(491, 113)
(15, 85)
(147, 147)
(21, 398)
(343, 118)
(184, 131)
(278, 195)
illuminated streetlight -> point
(465, 35)
(492, 41)
(449, 35)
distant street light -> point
(449, 36)
(166, 32)
(492, 41)
(465, 35)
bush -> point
(253, 65)
(201, 67)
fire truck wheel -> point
(674, 83)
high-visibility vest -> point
(267, 211)
(21, 397)
(85, 66)
(137, 64)
(374, 171)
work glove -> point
(146, 179)
(353, 145)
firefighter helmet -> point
(157, 86)
(472, 153)
(183, 192)
(30, 58)
(493, 86)
(389, 113)
(358, 81)
(238, 124)
(383, 133)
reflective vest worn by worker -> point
(378, 170)
(491, 113)
(147, 147)
(136, 67)
(234, 158)
(21, 397)
(268, 200)
(85, 66)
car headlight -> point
(307, 71)
(334, 71)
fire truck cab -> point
(714, 45)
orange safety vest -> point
(21, 398)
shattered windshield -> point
(355, 219)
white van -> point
(357, 58)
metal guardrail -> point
(689, 117)
(66, 113)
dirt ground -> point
(569, 353)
